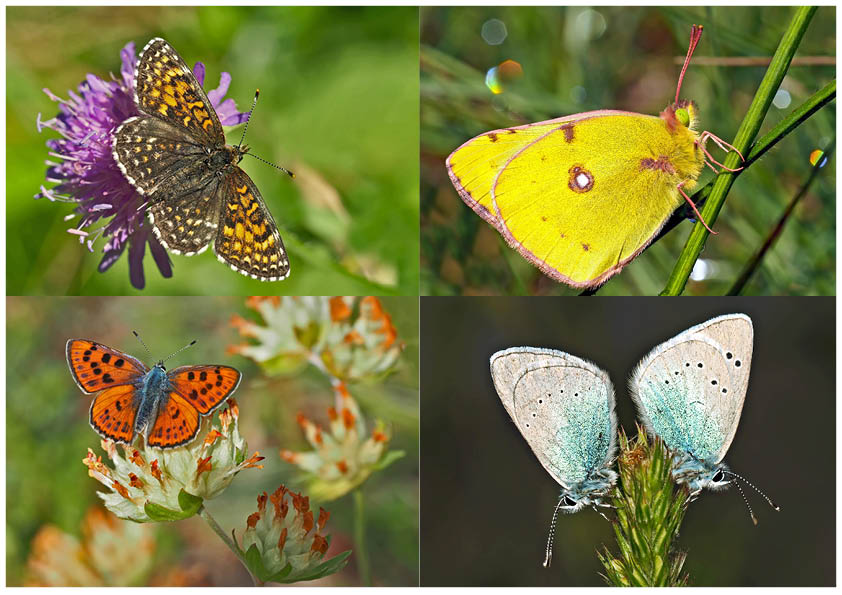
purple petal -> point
(199, 73)
(217, 94)
(162, 259)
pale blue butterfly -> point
(564, 407)
(690, 391)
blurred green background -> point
(491, 500)
(47, 432)
(338, 106)
(576, 59)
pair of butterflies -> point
(689, 391)
(582, 195)
(133, 400)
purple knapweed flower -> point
(88, 175)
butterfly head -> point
(681, 114)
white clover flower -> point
(149, 484)
(112, 553)
(344, 456)
(285, 544)
(351, 338)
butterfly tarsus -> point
(693, 206)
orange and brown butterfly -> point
(133, 400)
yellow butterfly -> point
(581, 196)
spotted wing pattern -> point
(95, 367)
(177, 423)
(167, 89)
(204, 387)
(113, 412)
(247, 239)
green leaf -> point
(254, 561)
(189, 507)
(188, 502)
(389, 458)
(331, 566)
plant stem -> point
(206, 515)
(745, 136)
(773, 235)
(359, 538)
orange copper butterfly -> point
(133, 400)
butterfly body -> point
(690, 391)
(132, 400)
(175, 154)
(152, 393)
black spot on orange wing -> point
(112, 413)
(176, 425)
(95, 366)
(204, 387)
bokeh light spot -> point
(782, 99)
(494, 31)
(498, 76)
(817, 156)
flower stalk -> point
(359, 538)
(650, 508)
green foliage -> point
(745, 137)
(338, 106)
(650, 509)
(189, 504)
(577, 59)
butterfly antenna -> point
(756, 489)
(190, 344)
(248, 119)
(242, 138)
(695, 36)
(142, 343)
(548, 557)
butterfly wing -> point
(690, 390)
(95, 367)
(474, 166)
(168, 90)
(586, 198)
(248, 240)
(113, 413)
(177, 423)
(563, 407)
(204, 387)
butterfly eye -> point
(718, 476)
(569, 501)
(683, 116)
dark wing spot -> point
(190, 376)
(568, 132)
(581, 180)
(492, 137)
(119, 363)
(203, 376)
(106, 357)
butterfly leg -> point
(722, 145)
(693, 206)
(601, 513)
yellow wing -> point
(585, 198)
(474, 166)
